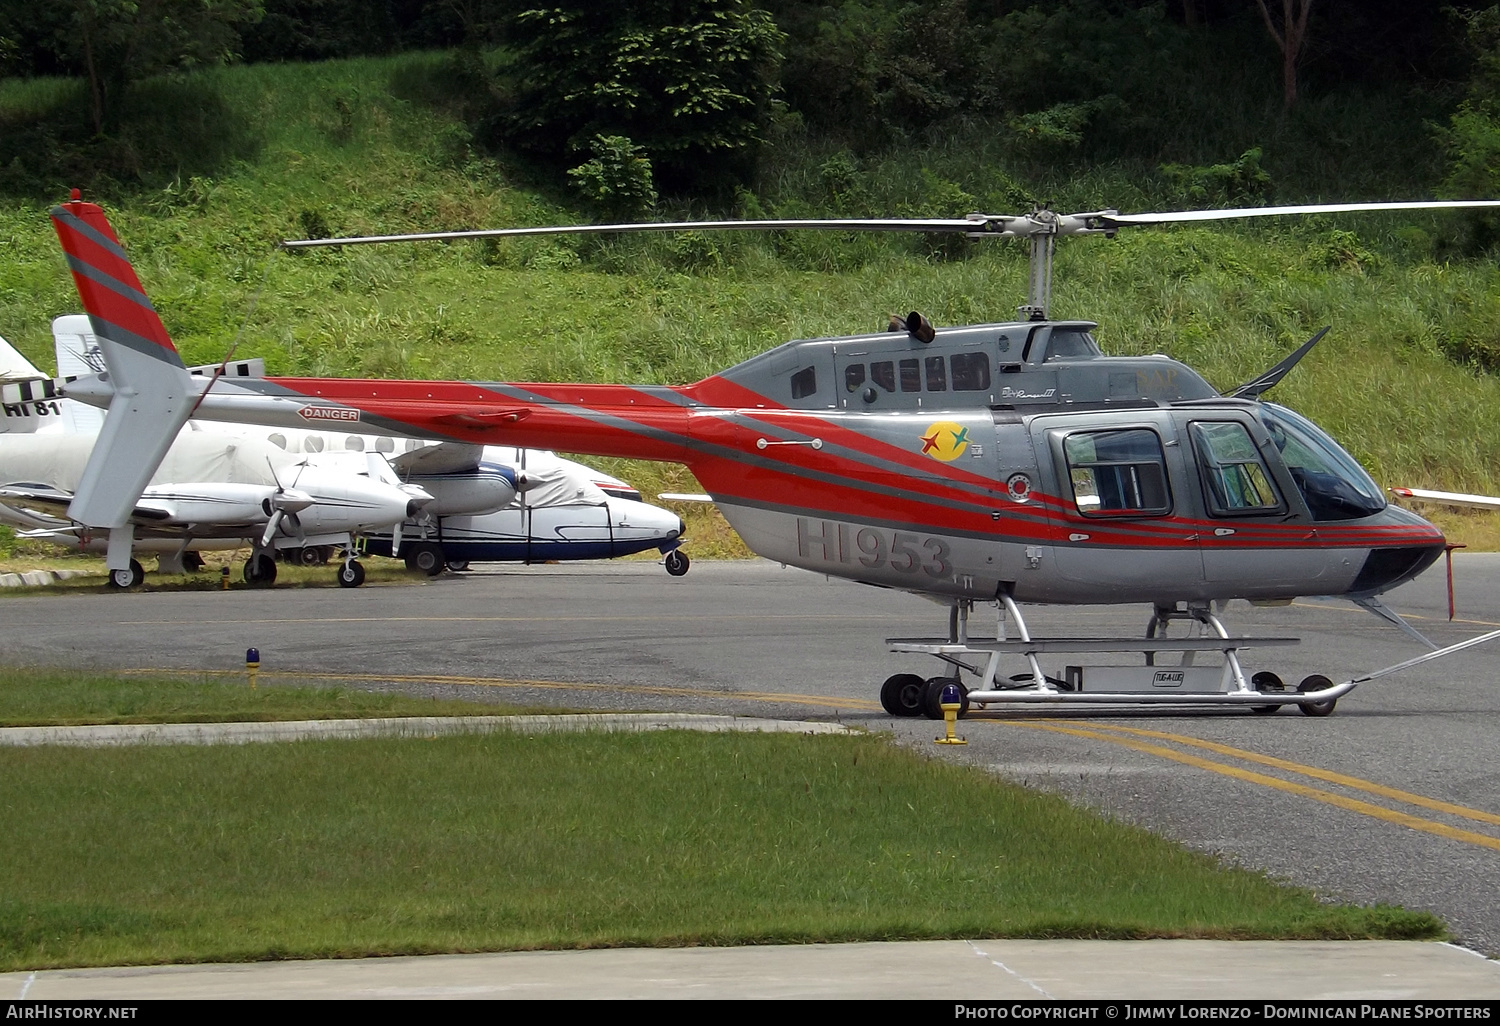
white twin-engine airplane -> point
(211, 490)
(481, 503)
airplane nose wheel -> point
(351, 574)
(260, 571)
(676, 563)
(901, 694)
(131, 578)
(426, 557)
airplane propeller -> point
(284, 502)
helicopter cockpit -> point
(1334, 486)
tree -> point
(1290, 38)
(113, 43)
(688, 81)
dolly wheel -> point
(1265, 680)
(901, 694)
(932, 697)
(1317, 682)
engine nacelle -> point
(485, 489)
(207, 502)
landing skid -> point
(1152, 682)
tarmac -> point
(955, 970)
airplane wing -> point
(1448, 498)
(440, 458)
(54, 503)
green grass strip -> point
(334, 849)
(45, 696)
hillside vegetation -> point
(226, 162)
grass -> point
(343, 849)
(46, 696)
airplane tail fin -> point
(21, 386)
(154, 395)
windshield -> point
(1334, 486)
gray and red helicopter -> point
(999, 463)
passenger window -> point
(277, 439)
(354, 443)
(937, 374)
(971, 372)
(804, 383)
(312, 443)
(884, 374)
(1236, 477)
(1118, 473)
(911, 376)
(384, 444)
(854, 376)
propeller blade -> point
(1253, 388)
(271, 526)
(396, 541)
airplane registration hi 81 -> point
(1006, 463)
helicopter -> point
(1004, 463)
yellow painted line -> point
(1407, 616)
(1249, 776)
(554, 685)
(1353, 783)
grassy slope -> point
(332, 142)
(484, 843)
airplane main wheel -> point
(1265, 680)
(426, 557)
(901, 694)
(932, 697)
(1317, 682)
(260, 571)
(351, 574)
(192, 562)
(677, 563)
(131, 578)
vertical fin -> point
(78, 356)
(153, 392)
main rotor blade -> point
(832, 224)
(1167, 217)
(1001, 226)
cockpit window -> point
(1236, 477)
(1332, 484)
(883, 373)
(854, 376)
